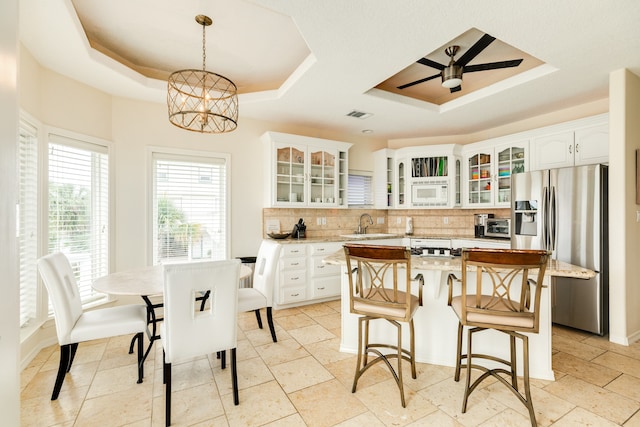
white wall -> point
(9, 285)
(624, 140)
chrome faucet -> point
(362, 230)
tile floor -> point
(303, 380)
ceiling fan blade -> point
(492, 65)
(430, 63)
(426, 79)
(474, 50)
(456, 89)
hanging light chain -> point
(204, 46)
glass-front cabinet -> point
(305, 171)
(290, 173)
(489, 171)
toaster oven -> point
(498, 227)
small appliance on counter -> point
(480, 223)
(299, 230)
(498, 227)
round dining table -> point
(147, 282)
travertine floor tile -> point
(587, 371)
(259, 405)
(582, 417)
(300, 373)
(599, 401)
(282, 351)
(306, 362)
(326, 404)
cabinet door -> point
(290, 175)
(553, 151)
(479, 171)
(511, 159)
(592, 145)
(323, 189)
(401, 178)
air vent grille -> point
(359, 114)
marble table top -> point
(145, 281)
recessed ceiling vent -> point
(359, 114)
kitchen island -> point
(436, 324)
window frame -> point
(187, 155)
(86, 142)
(366, 174)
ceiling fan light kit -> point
(452, 74)
(202, 101)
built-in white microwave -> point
(431, 193)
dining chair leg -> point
(167, 378)
(271, 327)
(412, 344)
(359, 358)
(65, 352)
(140, 356)
(223, 359)
(399, 373)
(234, 377)
(258, 318)
(72, 355)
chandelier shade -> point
(202, 101)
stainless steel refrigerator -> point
(566, 211)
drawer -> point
(293, 251)
(326, 287)
(293, 263)
(294, 278)
(325, 249)
(320, 269)
(294, 294)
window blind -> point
(360, 190)
(28, 220)
(189, 208)
(79, 209)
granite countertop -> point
(377, 236)
(554, 267)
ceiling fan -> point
(452, 74)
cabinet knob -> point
(577, 148)
(321, 289)
(570, 148)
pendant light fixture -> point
(202, 101)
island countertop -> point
(439, 263)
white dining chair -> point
(188, 332)
(261, 294)
(73, 325)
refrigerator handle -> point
(545, 218)
(553, 220)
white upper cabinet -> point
(489, 169)
(305, 171)
(577, 143)
(417, 177)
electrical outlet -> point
(324, 221)
(319, 221)
(445, 220)
(399, 220)
(637, 216)
(380, 220)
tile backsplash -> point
(322, 223)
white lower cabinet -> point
(303, 278)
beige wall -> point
(624, 140)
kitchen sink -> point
(368, 235)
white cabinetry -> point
(577, 144)
(291, 280)
(417, 177)
(304, 171)
(303, 277)
(489, 170)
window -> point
(28, 220)
(190, 206)
(78, 208)
(360, 189)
